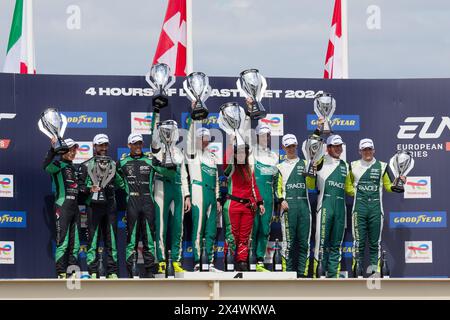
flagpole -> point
(189, 49)
(344, 16)
(30, 36)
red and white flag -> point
(173, 42)
(336, 62)
(20, 52)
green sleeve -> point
(118, 181)
(52, 168)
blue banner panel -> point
(396, 114)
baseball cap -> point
(366, 143)
(334, 140)
(203, 132)
(135, 137)
(101, 139)
(263, 128)
(289, 139)
(70, 143)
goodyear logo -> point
(121, 220)
(338, 122)
(427, 219)
(86, 119)
(210, 122)
(282, 155)
(13, 219)
(347, 249)
(188, 251)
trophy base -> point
(309, 174)
(199, 114)
(398, 189)
(169, 165)
(61, 149)
(160, 101)
(257, 115)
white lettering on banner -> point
(409, 131)
(419, 150)
(222, 93)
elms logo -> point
(410, 131)
(141, 122)
(418, 251)
(276, 123)
(339, 122)
(418, 188)
(426, 219)
(6, 186)
(6, 252)
(86, 119)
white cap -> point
(135, 137)
(366, 143)
(334, 140)
(289, 139)
(263, 128)
(70, 143)
(100, 139)
(203, 132)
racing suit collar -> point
(368, 164)
(329, 158)
(292, 161)
(137, 156)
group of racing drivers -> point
(258, 187)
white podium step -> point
(233, 275)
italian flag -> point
(20, 53)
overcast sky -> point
(283, 38)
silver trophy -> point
(198, 90)
(168, 134)
(53, 125)
(253, 85)
(313, 150)
(101, 171)
(160, 79)
(231, 120)
(324, 106)
(401, 164)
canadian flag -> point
(20, 52)
(173, 42)
(336, 62)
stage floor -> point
(220, 288)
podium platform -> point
(233, 275)
(227, 289)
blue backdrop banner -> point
(397, 114)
